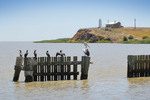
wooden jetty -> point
(138, 66)
(51, 69)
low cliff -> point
(102, 34)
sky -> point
(33, 20)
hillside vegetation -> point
(61, 40)
(116, 35)
(103, 35)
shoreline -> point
(146, 41)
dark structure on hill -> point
(113, 25)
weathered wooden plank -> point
(131, 63)
(85, 67)
(62, 67)
(35, 70)
(75, 67)
(48, 68)
(142, 67)
(42, 68)
(61, 63)
(68, 68)
(59, 68)
(19, 61)
(146, 66)
(29, 69)
(142, 61)
(59, 73)
(38, 70)
(149, 67)
(51, 69)
(65, 69)
(45, 69)
(136, 68)
(55, 69)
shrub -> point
(125, 38)
(130, 37)
(145, 37)
(108, 39)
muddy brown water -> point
(107, 75)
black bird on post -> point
(20, 53)
(35, 54)
(60, 53)
(26, 54)
(47, 53)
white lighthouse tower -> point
(100, 23)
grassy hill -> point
(102, 35)
(115, 35)
(61, 40)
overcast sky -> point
(31, 20)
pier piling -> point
(17, 68)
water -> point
(107, 75)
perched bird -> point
(86, 45)
(26, 54)
(35, 54)
(60, 53)
(47, 53)
(20, 53)
(86, 51)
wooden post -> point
(35, 71)
(42, 68)
(68, 68)
(146, 66)
(85, 67)
(48, 68)
(75, 68)
(58, 69)
(52, 69)
(45, 69)
(131, 63)
(62, 68)
(138, 66)
(148, 69)
(142, 66)
(29, 63)
(55, 69)
(38, 69)
(65, 69)
(19, 61)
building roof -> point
(112, 23)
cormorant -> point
(60, 53)
(20, 53)
(26, 54)
(48, 55)
(35, 54)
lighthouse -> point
(100, 23)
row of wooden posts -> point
(51, 69)
(138, 66)
(62, 68)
